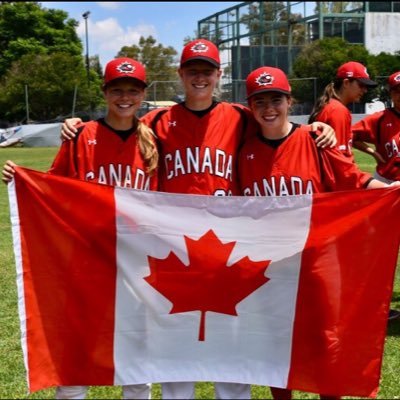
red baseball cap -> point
(201, 49)
(394, 80)
(355, 70)
(125, 68)
(267, 79)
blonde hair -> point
(147, 146)
(330, 92)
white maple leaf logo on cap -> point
(199, 47)
(265, 79)
(126, 68)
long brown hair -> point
(330, 92)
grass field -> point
(12, 372)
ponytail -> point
(330, 92)
(147, 146)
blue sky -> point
(112, 25)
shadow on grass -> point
(396, 296)
(393, 327)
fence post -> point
(74, 101)
(27, 104)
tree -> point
(321, 59)
(383, 65)
(94, 65)
(41, 52)
(327, 7)
(50, 81)
(188, 39)
(160, 64)
(27, 28)
(266, 16)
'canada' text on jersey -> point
(103, 155)
(199, 161)
(295, 166)
(198, 151)
(279, 186)
(120, 175)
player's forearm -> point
(364, 147)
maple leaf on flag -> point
(207, 283)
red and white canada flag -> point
(119, 286)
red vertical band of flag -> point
(344, 293)
(60, 348)
(68, 240)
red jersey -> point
(294, 165)
(198, 150)
(338, 116)
(383, 130)
(103, 155)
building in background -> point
(257, 33)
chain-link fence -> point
(304, 90)
(162, 93)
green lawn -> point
(12, 372)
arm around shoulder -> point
(68, 128)
(326, 134)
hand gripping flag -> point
(119, 286)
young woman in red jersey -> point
(282, 158)
(116, 150)
(198, 142)
(351, 83)
(382, 129)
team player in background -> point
(116, 150)
(198, 143)
(282, 158)
(382, 129)
(351, 83)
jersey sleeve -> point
(338, 172)
(64, 162)
(366, 129)
(151, 117)
(249, 126)
(339, 118)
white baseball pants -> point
(223, 390)
(128, 392)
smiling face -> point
(271, 109)
(124, 97)
(199, 79)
